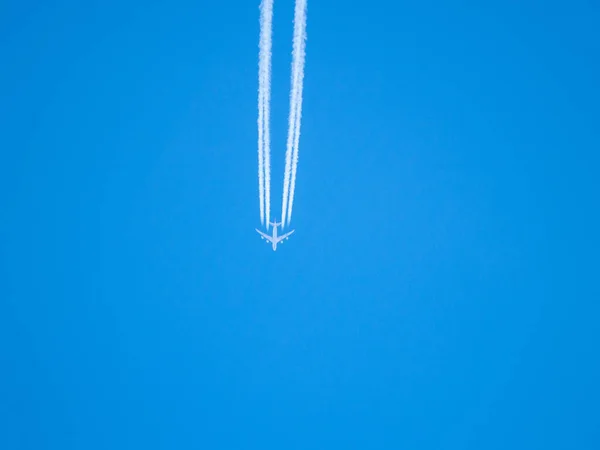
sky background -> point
(441, 289)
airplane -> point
(274, 239)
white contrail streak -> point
(291, 154)
(261, 157)
(300, 81)
(264, 102)
(290, 138)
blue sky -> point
(440, 291)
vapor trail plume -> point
(295, 155)
(264, 106)
(261, 157)
(291, 155)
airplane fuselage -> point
(274, 238)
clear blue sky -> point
(441, 289)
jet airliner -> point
(274, 239)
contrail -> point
(261, 157)
(264, 102)
(291, 154)
(300, 82)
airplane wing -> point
(284, 236)
(265, 236)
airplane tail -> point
(275, 224)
